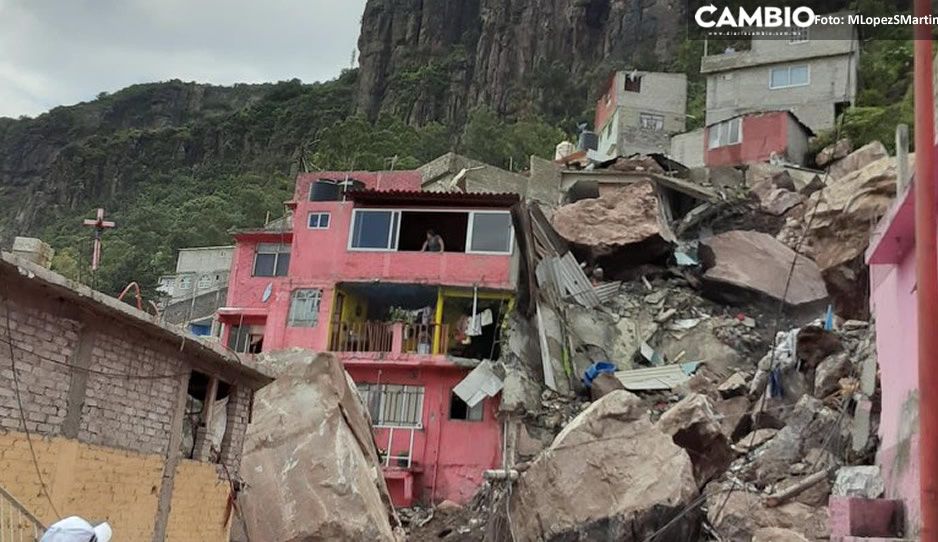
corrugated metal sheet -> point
(665, 377)
(607, 290)
(480, 383)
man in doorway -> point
(434, 242)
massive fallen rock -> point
(739, 261)
(627, 221)
(609, 475)
(695, 426)
(310, 465)
(834, 151)
(858, 159)
(841, 218)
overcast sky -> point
(58, 52)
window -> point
(166, 284)
(633, 83)
(185, 282)
(304, 308)
(490, 232)
(205, 281)
(271, 260)
(799, 35)
(788, 76)
(374, 230)
(728, 132)
(459, 410)
(651, 121)
(318, 221)
(393, 404)
(246, 339)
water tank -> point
(588, 141)
(324, 190)
(563, 150)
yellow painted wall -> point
(352, 302)
(199, 498)
(120, 487)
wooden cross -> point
(99, 225)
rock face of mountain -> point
(436, 59)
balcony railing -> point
(17, 524)
(403, 458)
(396, 337)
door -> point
(338, 334)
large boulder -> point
(834, 151)
(695, 426)
(310, 465)
(627, 221)
(858, 159)
(609, 475)
(747, 261)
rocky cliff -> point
(436, 59)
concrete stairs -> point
(855, 519)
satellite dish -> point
(267, 291)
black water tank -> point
(588, 141)
(324, 190)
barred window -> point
(304, 308)
(393, 405)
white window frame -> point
(206, 279)
(789, 67)
(320, 214)
(185, 282)
(315, 294)
(281, 249)
(511, 233)
(659, 119)
(394, 234)
(723, 133)
(380, 389)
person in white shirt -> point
(75, 529)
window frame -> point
(321, 215)
(658, 118)
(281, 250)
(366, 389)
(205, 278)
(800, 35)
(723, 133)
(789, 68)
(479, 408)
(394, 230)
(292, 321)
(185, 282)
(469, 233)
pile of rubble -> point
(723, 391)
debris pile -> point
(722, 391)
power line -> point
(19, 404)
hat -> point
(75, 529)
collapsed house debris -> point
(717, 356)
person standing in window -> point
(434, 242)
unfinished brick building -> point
(107, 394)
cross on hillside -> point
(99, 225)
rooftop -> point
(203, 355)
(419, 198)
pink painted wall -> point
(763, 134)
(893, 305)
(449, 454)
(605, 110)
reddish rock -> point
(739, 261)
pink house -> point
(756, 137)
(349, 277)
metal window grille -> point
(304, 307)
(393, 405)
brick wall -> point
(120, 487)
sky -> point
(60, 52)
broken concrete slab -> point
(637, 478)
(310, 465)
(739, 262)
(865, 481)
(736, 514)
(755, 439)
(700, 343)
(695, 426)
(829, 372)
(733, 386)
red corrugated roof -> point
(449, 199)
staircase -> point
(17, 524)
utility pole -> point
(99, 225)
